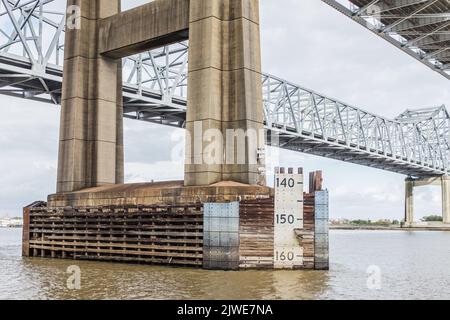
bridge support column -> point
(409, 201)
(225, 105)
(446, 199)
(91, 133)
(443, 182)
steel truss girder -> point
(410, 25)
(154, 90)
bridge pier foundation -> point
(411, 183)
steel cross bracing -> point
(421, 28)
(31, 55)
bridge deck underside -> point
(338, 150)
(149, 106)
(155, 88)
(421, 28)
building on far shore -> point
(11, 222)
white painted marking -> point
(288, 216)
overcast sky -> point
(303, 41)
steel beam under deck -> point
(415, 144)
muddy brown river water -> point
(364, 265)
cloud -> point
(306, 42)
(156, 171)
(149, 143)
(313, 45)
(129, 4)
(28, 152)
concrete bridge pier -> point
(411, 183)
(409, 201)
(225, 109)
(91, 131)
(446, 199)
(224, 93)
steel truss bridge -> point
(421, 28)
(154, 89)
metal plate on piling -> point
(221, 236)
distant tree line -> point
(381, 223)
(432, 218)
(361, 222)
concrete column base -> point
(410, 184)
(409, 201)
(445, 185)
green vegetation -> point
(380, 223)
(432, 218)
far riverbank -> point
(387, 228)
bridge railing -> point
(155, 89)
(306, 113)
